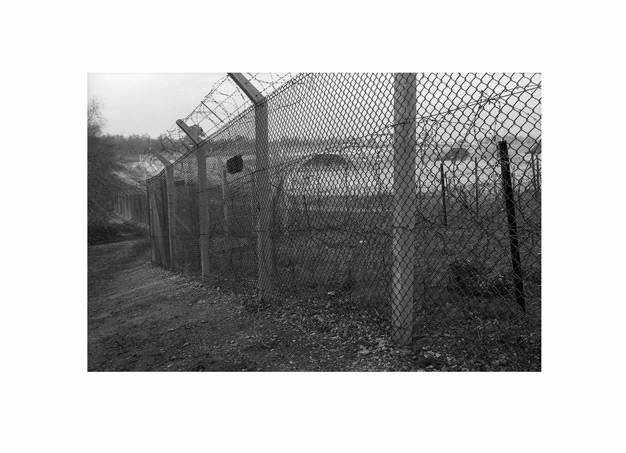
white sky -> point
(147, 103)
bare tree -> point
(95, 119)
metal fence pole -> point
(511, 219)
(203, 212)
(404, 162)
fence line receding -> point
(396, 190)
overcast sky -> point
(147, 103)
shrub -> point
(100, 231)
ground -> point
(143, 318)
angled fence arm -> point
(159, 156)
(244, 84)
(193, 136)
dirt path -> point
(142, 318)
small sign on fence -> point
(234, 165)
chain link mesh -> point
(419, 195)
(132, 204)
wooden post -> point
(404, 160)
(203, 212)
(171, 214)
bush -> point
(100, 231)
(472, 278)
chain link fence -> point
(416, 194)
(132, 204)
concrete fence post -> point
(203, 212)
(171, 214)
(264, 246)
(264, 237)
(225, 199)
(404, 185)
(151, 225)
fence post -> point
(171, 213)
(476, 186)
(158, 231)
(264, 241)
(150, 222)
(532, 164)
(443, 195)
(510, 215)
(203, 212)
(404, 162)
(226, 210)
(263, 186)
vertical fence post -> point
(263, 181)
(203, 212)
(443, 195)
(157, 229)
(404, 162)
(151, 228)
(264, 241)
(511, 219)
(226, 209)
(476, 185)
(171, 213)
(532, 164)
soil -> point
(144, 318)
